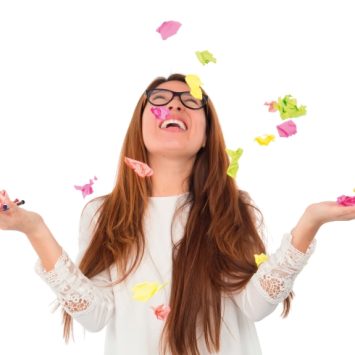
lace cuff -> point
(75, 292)
(275, 277)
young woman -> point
(167, 261)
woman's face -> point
(173, 141)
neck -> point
(170, 175)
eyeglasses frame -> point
(177, 93)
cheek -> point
(146, 123)
(145, 132)
(201, 127)
(148, 128)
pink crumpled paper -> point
(86, 189)
(287, 128)
(141, 169)
(161, 311)
(161, 113)
(346, 200)
(168, 29)
(272, 106)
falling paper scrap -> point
(145, 290)
(161, 113)
(86, 189)
(265, 140)
(194, 83)
(288, 107)
(272, 106)
(205, 57)
(141, 169)
(161, 311)
(346, 200)
(260, 258)
(168, 29)
(233, 165)
(287, 128)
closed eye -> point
(158, 97)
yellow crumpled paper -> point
(266, 139)
(145, 290)
(194, 83)
(260, 258)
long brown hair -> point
(216, 253)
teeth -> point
(178, 122)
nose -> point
(175, 104)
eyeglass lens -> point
(162, 97)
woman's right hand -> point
(17, 218)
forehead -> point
(174, 85)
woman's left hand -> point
(328, 211)
(314, 217)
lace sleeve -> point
(275, 277)
(86, 300)
(74, 291)
(89, 301)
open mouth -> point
(173, 123)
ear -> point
(204, 141)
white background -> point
(71, 73)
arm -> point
(44, 244)
(273, 281)
(86, 300)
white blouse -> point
(132, 326)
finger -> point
(10, 205)
(6, 203)
(5, 207)
(4, 197)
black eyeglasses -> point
(161, 97)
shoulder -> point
(92, 207)
(88, 219)
(90, 214)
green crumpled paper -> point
(288, 108)
(234, 165)
(205, 57)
